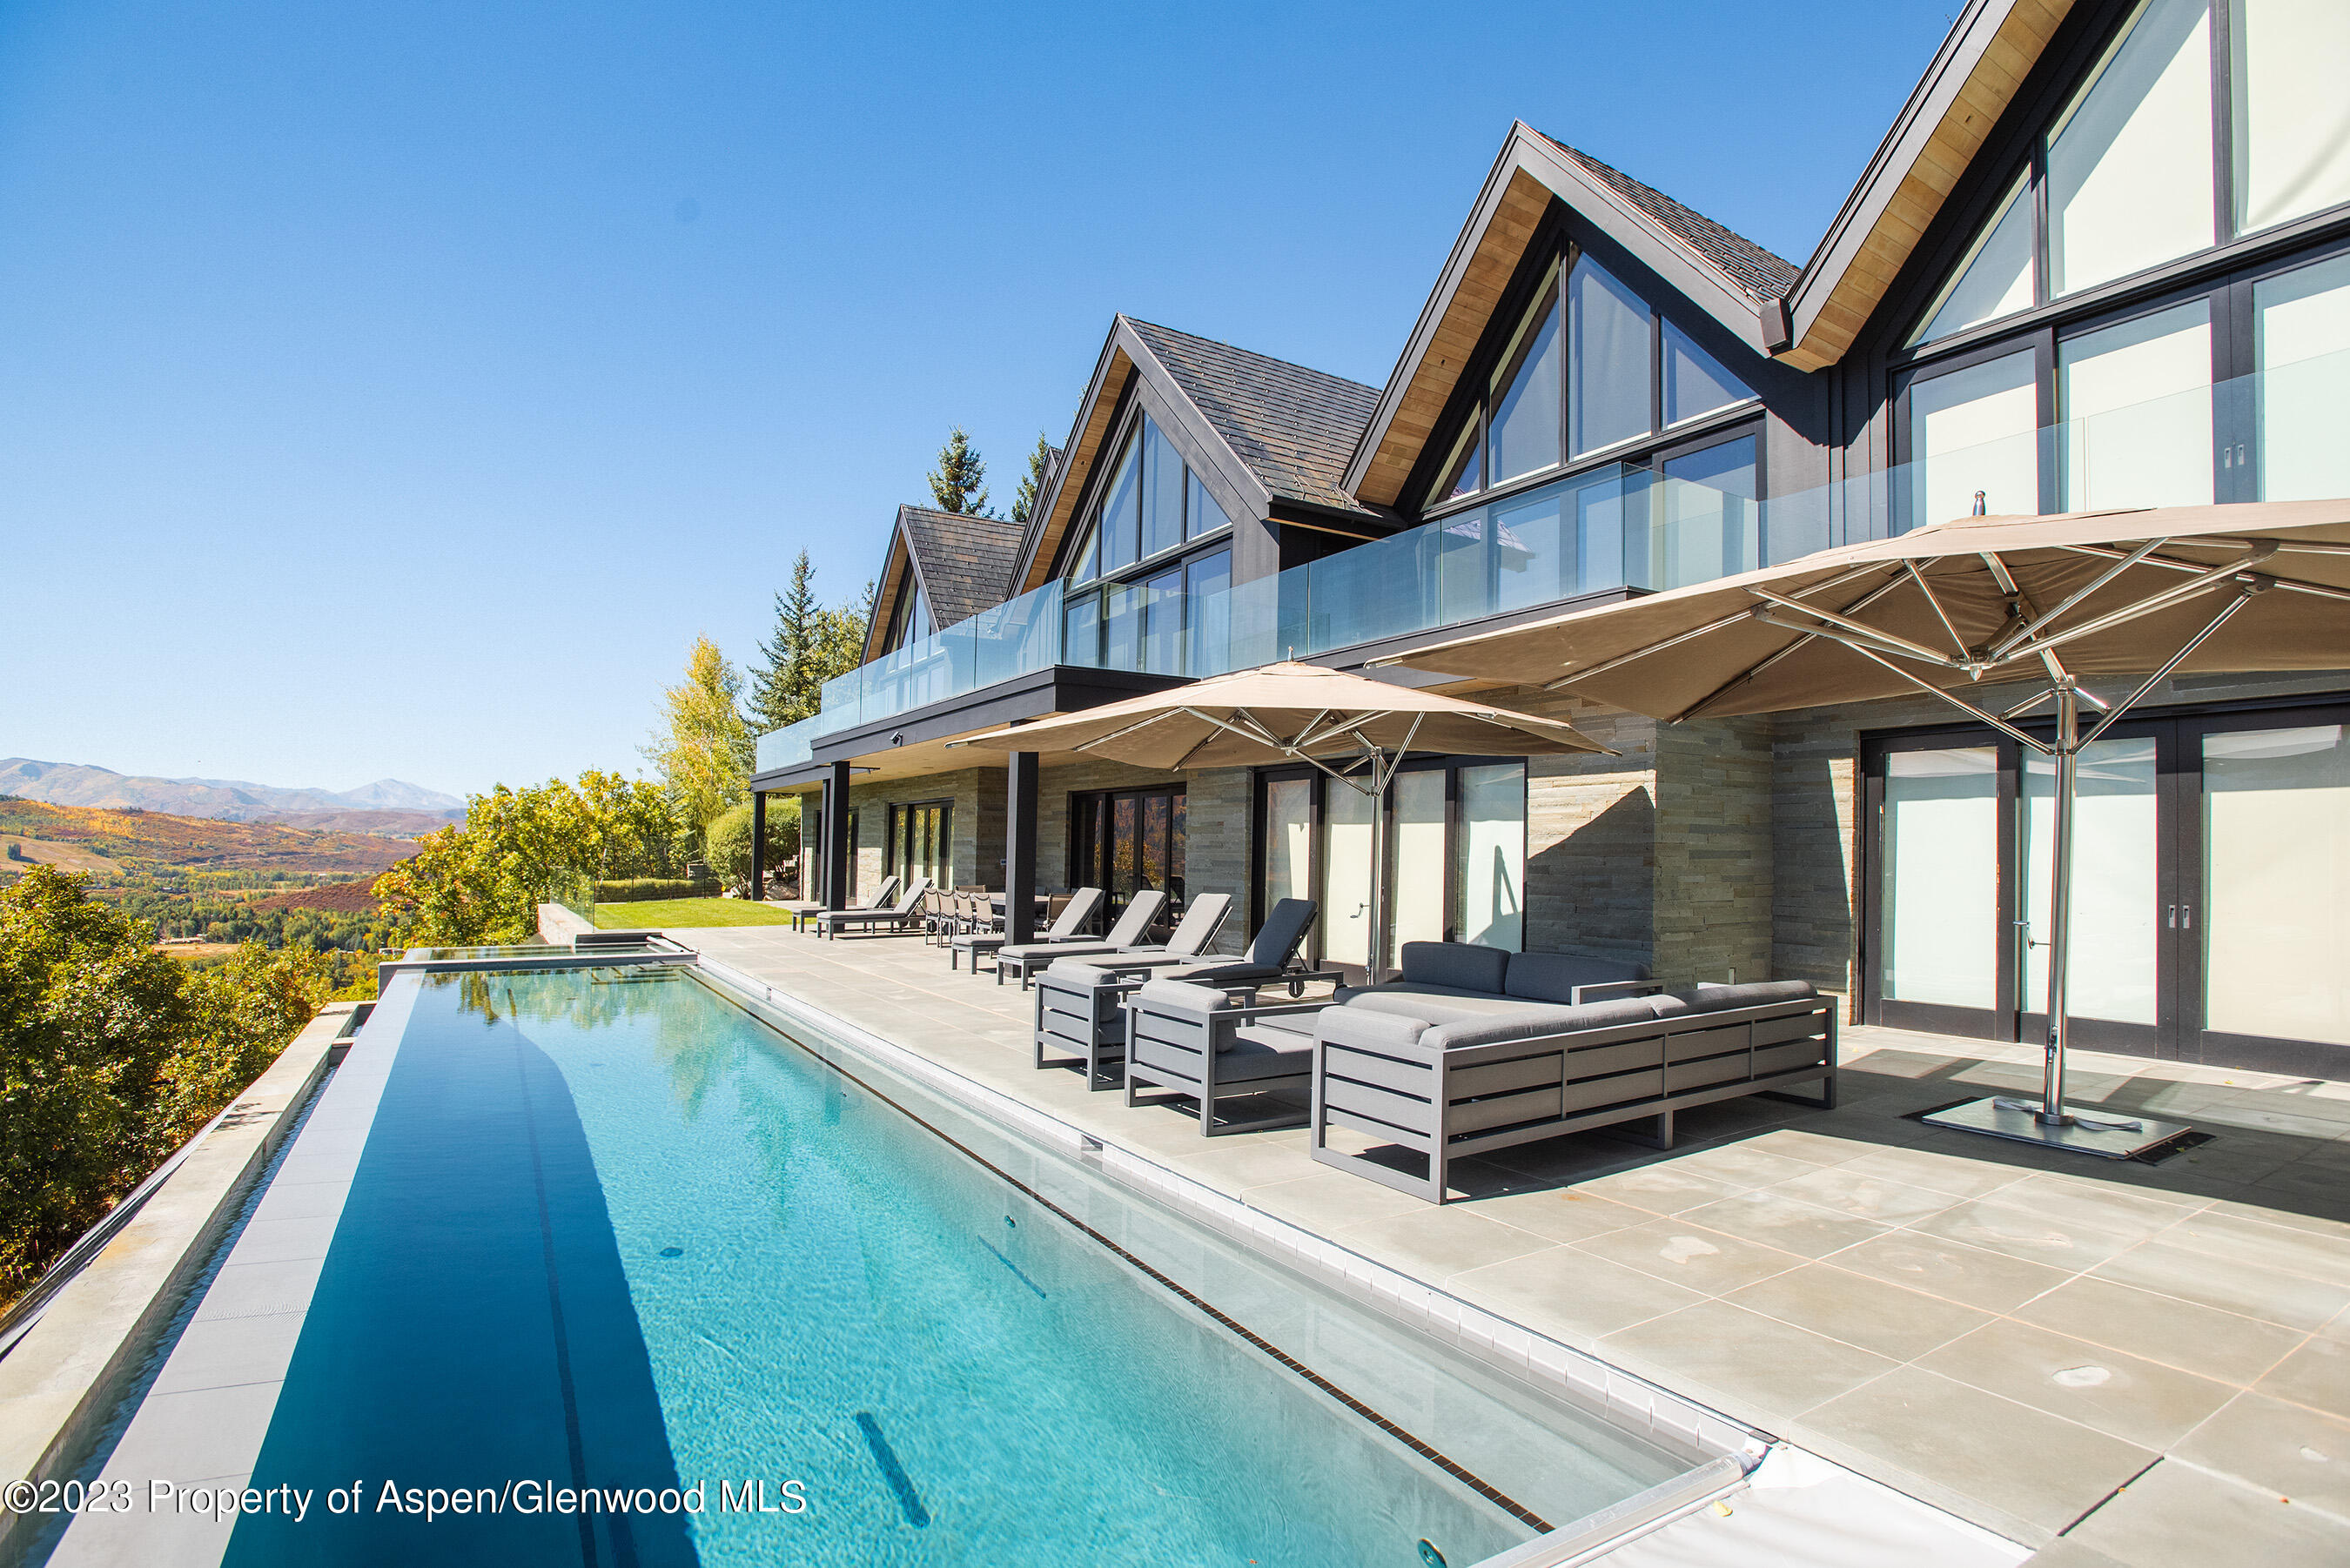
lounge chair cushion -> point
(1069, 972)
(1247, 1059)
(1236, 974)
(1530, 1022)
(1366, 1029)
(1708, 998)
(1177, 996)
(1552, 977)
(1462, 964)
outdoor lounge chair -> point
(1191, 936)
(1204, 1044)
(1133, 925)
(802, 910)
(1073, 917)
(1268, 958)
(902, 916)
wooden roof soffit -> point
(895, 567)
(1973, 79)
(1083, 445)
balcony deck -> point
(2009, 1334)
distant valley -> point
(385, 809)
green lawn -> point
(659, 913)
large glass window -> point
(1526, 430)
(1703, 520)
(1081, 630)
(2300, 328)
(1288, 840)
(2292, 114)
(1162, 634)
(2129, 162)
(1695, 382)
(1121, 512)
(1491, 858)
(1121, 626)
(1975, 431)
(2115, 901)
(1418, 878)
(1995, 278)
(1201, 515)
(2136, 399)
(1162, 492)
(1610, 398)
(1464, 472)
(2276, 877)
(1207, 592)
(1938, 885)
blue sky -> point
(396, 390)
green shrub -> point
(636, 890)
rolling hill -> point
(225, 800)
(133, 839)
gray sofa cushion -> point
(1175, 996)
(1552, 977)
(1403, 988)
(1464, 965)
(1528, 1023)
(1752, 993)
(1069, 971)
(1366, 1030)
(1461, 1007)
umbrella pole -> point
(2060, 903)
(1375, 960)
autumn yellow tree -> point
(702, 748)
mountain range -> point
(226, 800)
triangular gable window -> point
(1995, 278)
(1525, 432)
(1465, 474)
(1081, 559)
(1695, 381)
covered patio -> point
(2109, 1361)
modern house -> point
(2101, 260)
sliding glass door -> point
(2212, 889)
(1127, 840)
(920, 842)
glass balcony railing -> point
(1625, 527)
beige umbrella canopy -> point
(2060, 599)
(1354, 729)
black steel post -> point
(835, 837)
(1020, 847)
(758, 843)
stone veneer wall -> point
(1217, 829)
(976, 831)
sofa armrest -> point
(1365, 1030)
(1613, 990)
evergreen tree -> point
(1032, 484)
(960, 481)
(787, 688)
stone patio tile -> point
(2176, 1516)
(1330, 1201)
(2189, 1335)
(1562, 1213)
(2319, 1191)
(2317, 1374)
(2244, 1288)
(2285, 1247)
(1883, 1319)
(1993, 1282)
(2290, 1219)
(1861, 1196)
(1771, 1370)
(2263, 1114)
(2123, 1396)
(1660, 1189)
(2289, 1449)
(1809, 1146)
(1741, 1164)
(1570, 1294)
(2067, 1552)
(1435, 1244)
(2068, 1234)
(1713, 1261)
(2041, 1469)
(1934, 1171)
(1790, 1225)
(222, 1353)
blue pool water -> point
(610, 1231)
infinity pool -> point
(611, 1233)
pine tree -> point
(1032, 484)
(786, 688)
(960, 481)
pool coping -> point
(59, 1383)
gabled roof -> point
(1974, 77)
(1728, 276)
(1255, 430)
(1294, 426)
(1761, 274)
(963, 561)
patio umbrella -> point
(1354, 729)
(2059, 599)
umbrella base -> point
(2093, 1133)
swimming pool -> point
(610, 1234)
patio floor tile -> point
(1578, 1294)
(1432, 1243)
(2040, 1468)
(2316, 1375)
(2123, 1396)
(1933, 1171)
(2289, 1449)
(2235, 1240)
(2242, 1286)
(1995, 1282)
(1562, 1213)
(1787, 1223)
(2175, 1516)
(1713, 1261)
(1857, 1193)
(1330, 1200)
(1774, 1369)
(2073, 1237)
(2186, 1335)
(1883, 1319)
(1662, 1188)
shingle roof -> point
(1294, 426)
(1758, 274)
(965, 562)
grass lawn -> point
(657, 913)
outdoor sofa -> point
(1473, 1049)
(1189, 938)
(905, 915)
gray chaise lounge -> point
(1068, 927)
(803, 909)
(904, 915)
(1189, 938)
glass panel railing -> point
(1622, 526)
(788, 747)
